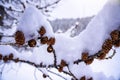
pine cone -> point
(42, 31)
(101, 56)
(44, 75)
(50, 49)
(63, 63)
(90, 78)
(115, 35)
(5, 58)
(51, 41)
(10, 56)
(1, 56)
(44, 40)
(85, 56)
(32, 43)
(16, 60)
(60, 69)
(19, 38)
(117, 43)
(83, 78)
(89, 61)
(107, 45)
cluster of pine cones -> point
(20, 39)
(114, 40)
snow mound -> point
(31, 21)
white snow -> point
(108, 67)
(92, 38)
(100, 27)
(70, 48)
(81, 70)
(31, 22)
(6, 50)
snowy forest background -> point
(65, 24)
(33, 47)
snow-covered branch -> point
(33, 42)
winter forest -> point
(35, 47)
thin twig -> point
(45, 74)
(55, 59)
(89, 57)
(56, 74)
(71, 73)
(12, 44)
(110, 57)
(7, 35)
(35, 74)
(48, 5)
(23, 4)
(2, 69)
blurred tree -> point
(11, 10)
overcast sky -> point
(77, 8)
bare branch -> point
(55, 59)
(71, 73)
(48, 5)
(56, 74)
(45, 75)
(113, 54)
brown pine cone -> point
(85, 56)
(44, 75)
(1, 56)
(44, 40)
(63, 63)
(19, 38)
(5, 58)
(32, 43)
(83, 78)
(115, 35)
(116, 43)
(42, 31)
(89, 61)
(51, 41)
(101, 55)
(50, 48)
(10, 56)
(90, 78)
(60, 69)
(16, 60)
(107, 45)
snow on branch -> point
(35, 43)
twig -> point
(72, 73)
(50, 77)
(6, 35)
(2, 69)
(12, 44)
(48, 5)
(78, 61)
(55, 59)
(35, 74)
(89, 57)
(110, 57)
(10, 9)
(45, 74)
(23, 4)
(56, 74)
